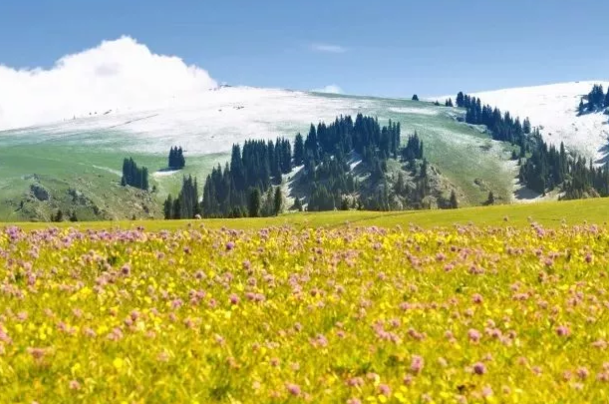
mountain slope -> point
(85, 153)
(555, 109)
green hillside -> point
(78, 164)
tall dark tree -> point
(254, 202)
(167, 208)
(415, 97)
(453, 203)
(278, 201)
(460, 100)
(299, 150)
(490, 200)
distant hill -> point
(554, 108)
(84, 154)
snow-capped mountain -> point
(554, 108)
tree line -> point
(250, 184)
(543, 167)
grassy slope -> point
(90, 162)
(551, 214)
(461, 152)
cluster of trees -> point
(249, 184)
(228, 192)
(413, 149)
(327, 150)
(543, 167)
(596, 100)
(502, 126)
(176, 158)
(549, 168)
(187, 204)
(133, 175)
(59, 217)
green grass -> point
(90, 161)
(550, 214)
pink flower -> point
(234, 299)
(74, 385)
(293, 389)
(417, 364)
(384, 390)
(563, 331)
(583, 373)
(479, 368)
(477, 298)
(474, 335)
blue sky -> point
(388, 48)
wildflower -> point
(384, 390)
(293, 389)
(479, 368)
(417, 364)
(563, 331)
(474, 335)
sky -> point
(384, 48)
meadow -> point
(353, 307)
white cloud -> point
(331, 89)
(327, 48)
(119, 74)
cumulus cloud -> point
(331, 89)
(327, 48)
(118, 74)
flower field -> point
(346, 315)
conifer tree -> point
(491, 198)
(299, 150)
(453, 203)
(278, 201)
(254, 202)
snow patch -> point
(419, 111)
(204, 123)
(554, 108)
(165, 173)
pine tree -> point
(278, 201)
(58, 217)
(460, 100)
(400, 186)
(167, 207)
(73, 217)
(581, 109)
(144, 179)
(415, 97)
(297, 204)
(453, 203)
(491, 198)
(254, 202)
(526, 126)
